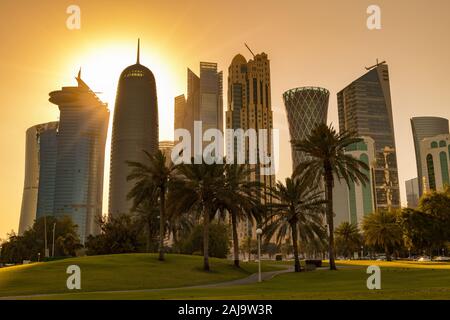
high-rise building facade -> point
(249, 107)
(306, 107)
(355, 201)
(204, 102)
(81, 140)
(135, 128)
(434, 159)
(365, 107)
(166, 148)
(48, 152)
(426, 127)
(35, 155)
(412, 193)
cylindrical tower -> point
(135, 128)
(305, 107)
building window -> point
(431, 176)
(444, 168)
(434, 144)
(442, 143)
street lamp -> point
(53, 245)
(258, 234)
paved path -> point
(253, 278)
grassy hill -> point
(119, 272)
(399, 280)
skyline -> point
(291, 67)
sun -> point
(101, 69)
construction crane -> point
(250, 50)
(375, 65)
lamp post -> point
(258, 233)
(53, 244)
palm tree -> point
(327, 159)
(382, 230)
(240, 198)
(147, 213)
(348, 238)
(152, 180)
(296, 210)
(195, 191)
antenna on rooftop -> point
(375, 65)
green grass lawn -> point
(120, 272)
(399, 280)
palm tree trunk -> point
(295, 245)
(235, 239)
(149, 233)
(329, 197)
(386, 252)
(162, 214)
(205, 239)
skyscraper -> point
(35, 156)
(249, 107)
(81, 139)
(166, 148)
(204, 101)
(352, 203)
(135, 128)
(48, 151)
(425, 127)
(434, 160)
(412, 192)
(306, 107)
(365, 107)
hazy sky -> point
(310, 43)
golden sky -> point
(310, 43)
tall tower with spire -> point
(77, 178)
(135, 129)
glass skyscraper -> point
(48, 151)
(365, 107)
(135, 128)
(306, 107)
(426, 127)
(39, 155)
(204, 101)
(81, 139)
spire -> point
(138, 51)
(79, 74)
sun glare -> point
(101, 70)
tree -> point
(119, 235)
(147, 218)
(296, 211)
(196, 191)
(32, 243)
(152, 179)
(348, 239)
(240, 197)
(218, 241)
(437, 206)
(326, 150)
(381, 230)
